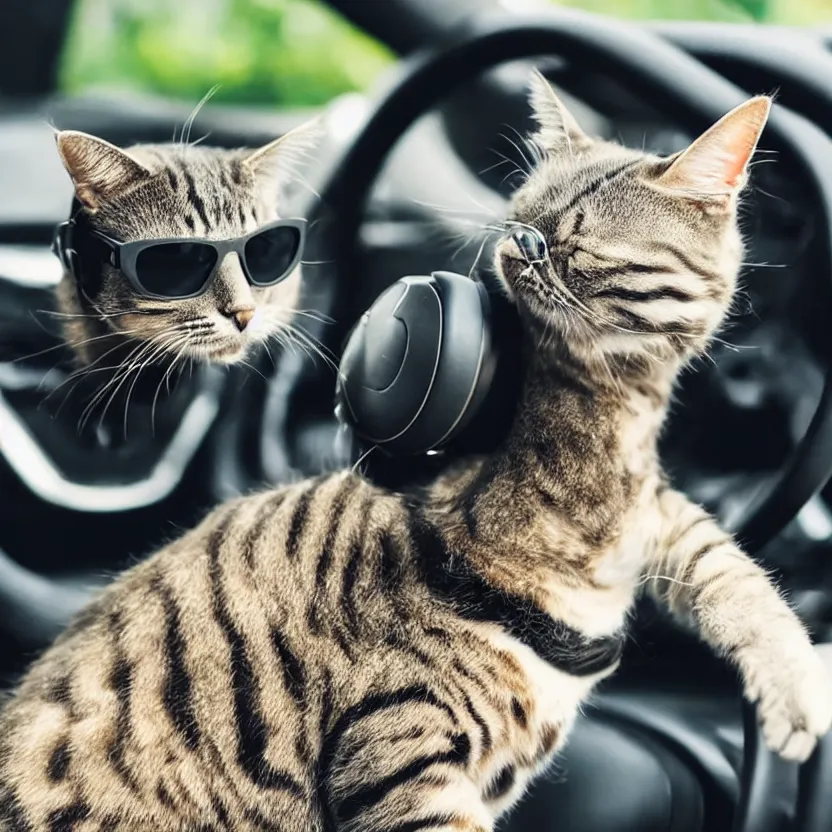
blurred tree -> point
(292, 52)
(287, 52)
(760, 11)
(757, 10)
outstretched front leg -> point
(703, 576)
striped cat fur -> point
(333, 657)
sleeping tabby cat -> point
(330, 656)
(177, 190)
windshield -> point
(293, 53)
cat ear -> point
(99, 170)
(558, 129)
(276, 160)
(716, 164)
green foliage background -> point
(292, 52)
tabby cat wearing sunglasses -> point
(176, 249)
(333, 657)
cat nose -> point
(241, 317)
(531, 244)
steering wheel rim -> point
(695, 99)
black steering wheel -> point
(691, 95)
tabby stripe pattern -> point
(605, 178)
(452, 580)
(196, 201)
(252, 731)
(337, 657)
(121, 681)
(178, 696)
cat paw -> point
(794, 702)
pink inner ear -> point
(716, 162)
(738, 153)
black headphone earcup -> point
(418, 364)
(78, 252)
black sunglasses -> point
(180, 268)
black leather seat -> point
(612, 778)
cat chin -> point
(224, 355)
(227, 354)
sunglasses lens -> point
(531, 244)
(270, 255)
(175, 270)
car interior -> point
(405, 181)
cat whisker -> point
(306, 342)
(363, 458)
(442, 233)
(77, 378)
(73, 344)
(99, 395)
(495, 215)
(253, 369)
(200, 140)
(86, 370)
(134, 360)
(318, 317)
(477, 258)
(487, 232)
(298, 179)
(278, 336)
(506, 160)
(132, 387)
(89, 369)
(532, 147)
(314, 345)
(33, 316)
(118, 381)
(164, 381)
(460, 221)
(185, 135)
(734, 347)
(166, 347)
(465, 241)
(529, 166)
(499, 164)
(269, 355)
(97, 316)
(446, 210)
(509, 175)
